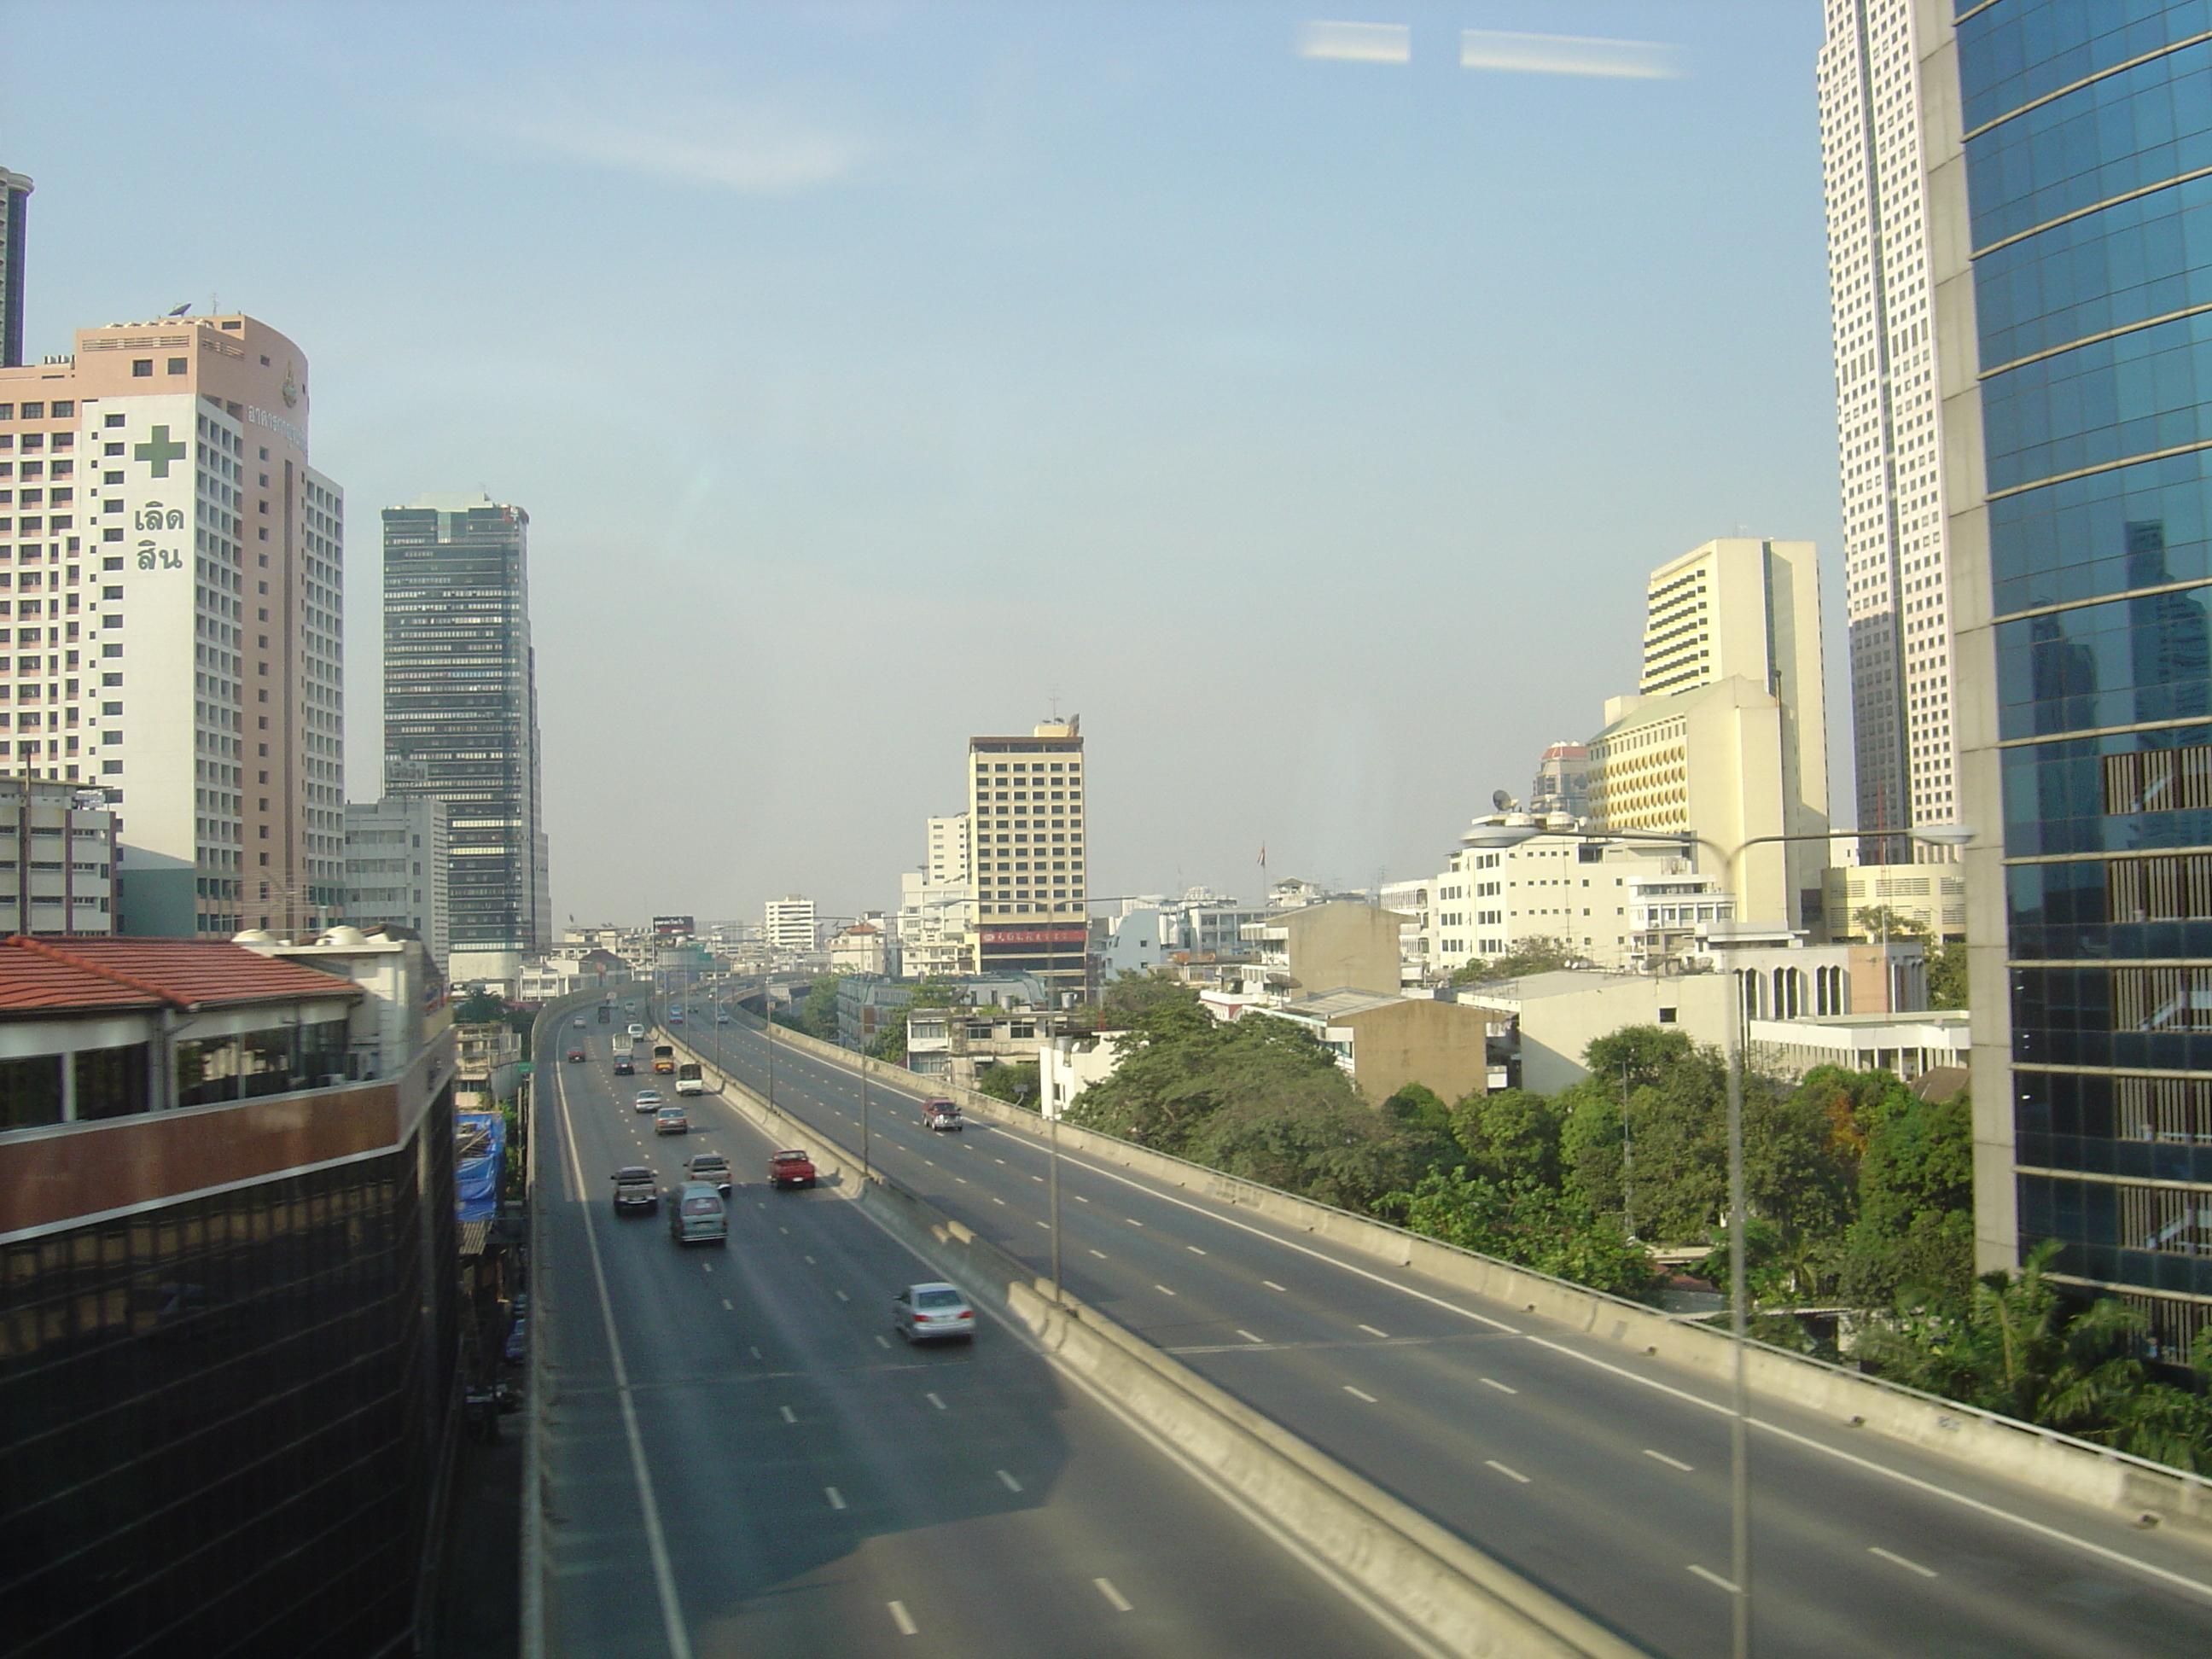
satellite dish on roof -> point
(1500, 800)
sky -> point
(1298, 405)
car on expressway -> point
(790, 1169)
(634, 1189)
(697, 1214)
(578, 1021)
(647, 1100)
(932, 1313)
(575, 1055)
(712, 1168)
(671, 1120)
(942, 1114)
(624, 1067)
(635, 1031)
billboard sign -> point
(673, 927)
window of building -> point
(180, 365)
(142, 369)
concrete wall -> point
(2041, 1459)
(1342, 945)
(1444, 1045)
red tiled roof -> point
(145, 973)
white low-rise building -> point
(1068, 1064)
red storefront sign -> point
(992, 936)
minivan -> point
(697, 1215)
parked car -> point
(624, 1067)
(942, 1114)
(932, 1313)
(711, 1168)
(648, 1100)
(697, 1215)
(634, 1189)
(791, 1168)
(671, 1120)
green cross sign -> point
(160, 452)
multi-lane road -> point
(741, 1459)
(1601, 1476)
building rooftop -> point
(40, 976)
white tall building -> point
(788, 924)
(1727, 738)
(177, 636)
(1889, 418)
(948, 850)
(396, 868)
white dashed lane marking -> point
(1671, 1462)
(1360, 1394)
(1114, 1599)
(1492, 1383)
(1900, 1561)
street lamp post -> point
(1501, 835)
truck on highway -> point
(689, 1081)
(664, 1059)
(790, 1169)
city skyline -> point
(1158, 325)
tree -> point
(1946, 975)
(1530, 956)
(478, 1008)
(1017, 1084)
(2020, 1348)
(1533, 1225)
(1914, 1234)
(1133, 995)
(1511, 1135)
(1879, 922)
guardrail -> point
(2050, 1462)
(1440, 1592)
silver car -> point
(932, 1313)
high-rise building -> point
(788, 924)
(1562, 782)
(179, 616)
(1727, 738)
(2066, 148)
(397, 867)
(14, 220)
(1889, 414)
(58, 855)
(460, 717)
(948, 849)
(1025, 806)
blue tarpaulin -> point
(481, 1138)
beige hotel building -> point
(171, 618)
(1025, 801)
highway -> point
(1599, 1475)
(742, 1460)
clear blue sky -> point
(872, 373)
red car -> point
(790, 1170)
(575, 1054)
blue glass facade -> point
(2088, 152)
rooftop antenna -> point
(1055, 705)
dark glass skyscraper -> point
(460, 716)
(2084, 134)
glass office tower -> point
(460, 718)
(2086, 135)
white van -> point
(697, 1215)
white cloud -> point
(1566, 54)
(756, 149)
(1357, 43)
